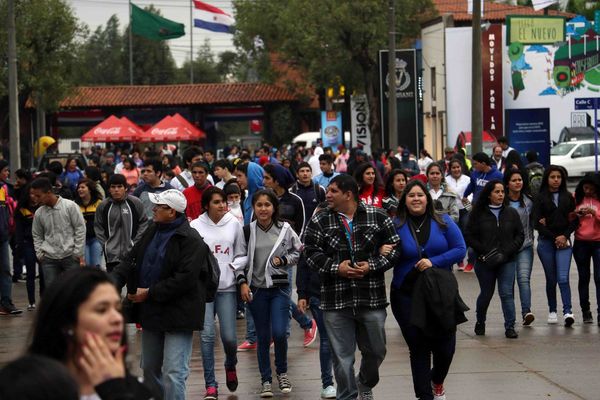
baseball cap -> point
(449, 150)
(172, 198)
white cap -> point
(172, 198)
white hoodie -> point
(226, 240)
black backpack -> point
(213, 276)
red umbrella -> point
(112, 129)
(170, 130)
(139, 131)
(179, 118)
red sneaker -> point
(438, 391)
(461, 266)
(211, 393)
(468, 268)
(310, 334)
(246, 346)
(138, 327)
(231, 379)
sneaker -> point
(231, 379)
(17, 278)
(310, 334)
(553, 318)
(365, 395)
(468, 268)
(8, 308)
(138, 327)
(569, 320)
(528, 319)
(480, 328)
(211, 393)
(438, 391)
(329, 392)
(284, 383)
(246, 346)
(461, 266)
(266, 390)
(31, 307)
(240, 315)
(587, 317)
(510, 333)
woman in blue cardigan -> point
(428, 240)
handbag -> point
(493, 258)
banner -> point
(529, 129)
(535, 29)
(359, 122)
(491, 65)
(406, 98)
(331, 129)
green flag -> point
(154, 27)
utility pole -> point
(130, 46)
(13, 93)
(191, 44)
(392, 111)
(476, 94)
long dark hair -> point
(402, 211)
(507, 177)
(483, 201)
(563, 183)
(273, 200)
(358, 176)
(56, 318)
(94, 193)
(590, 180)
(389, 183)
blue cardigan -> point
(443, 248)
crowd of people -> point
(198, 239)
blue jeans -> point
(270, 308)
(487, 277)
(93, 252)
(556, 263)
(314, 304)
(524, 260)
(28, 253)
(422, 348)
(250, 328)
(346, 329)
(53, 268)
(584, 252)
(5, 278)
(165, 360)
(225, 305)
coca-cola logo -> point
(107, 131)
(164, 132)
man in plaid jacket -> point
(342, 243)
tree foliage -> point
(583, 7)
(331, 41)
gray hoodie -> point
(59, 231)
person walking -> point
(224, 237)
(327, 171)
(394, 186)
(166, 273)
(273, 250)
(58, 231)
(342, 243)
(445, 201)
(7, 209)
(88, 199)
(431, 244)
(495, 233)
(371, 190)
(193, 194)
(152, 173)
(555, 220)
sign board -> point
(359, 122)
(586, 103)
(535, 29)
(331, 129)
(580, 119)
(491, 79)
(529, 129)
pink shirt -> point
(589, 225)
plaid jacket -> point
(326, 246)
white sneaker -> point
(569, 319)
(329, 392)
(552, 318)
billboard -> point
(331, 129)
(359, 122)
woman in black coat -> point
(495, 233)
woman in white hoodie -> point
(224, 236)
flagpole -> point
(130, 46)
(191, 43)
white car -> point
(577, 157)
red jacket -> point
(193, 196)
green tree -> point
(331, 41)
(583, 7)
(46, 33)
(204, 64)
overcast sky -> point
(97, 12)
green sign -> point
(534, 29)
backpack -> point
(183, 182)
(213, 277)
(535, 176)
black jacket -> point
(128, 388)
(559, 220)
(437, 307)
(485, 233)
(176, 302)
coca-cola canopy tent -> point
(169, 129)
(113, 129)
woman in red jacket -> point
(371, 190)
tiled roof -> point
(173, 95)
(494, 12)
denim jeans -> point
(225, 307)
(487, 277)
(524, 260)
(422, 348)
(28, 252)
(93, 252)
(53, 268)
(556, 263)
(270, 308)
(250, 328)
(346, 329)
(5, 277)
(314, 304)
(584, 252)
(165, 360)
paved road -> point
(545, 362)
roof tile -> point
(495, 12)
